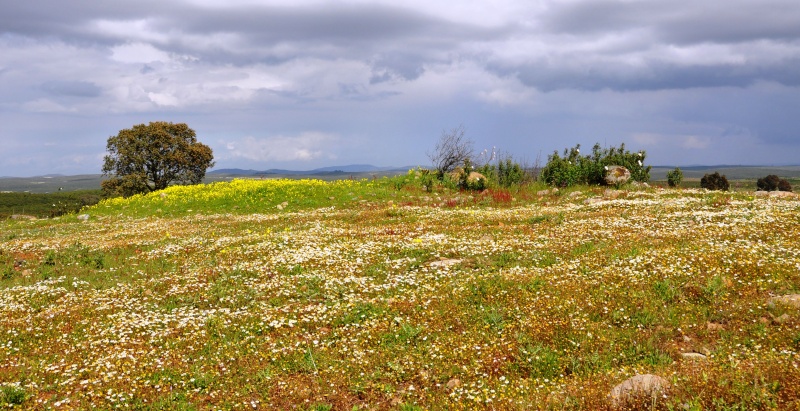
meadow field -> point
(379, 294)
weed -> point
(12, 395)
(538, 361)
(666, 290)
(494, 317)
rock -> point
(475, 177)
(575, 194)
(790, 300)
(593, 200)
(445, 262)
(694, 356)
(782, 194)
(617, 175)
(83, 217)
(456, 174)
(762, 193)
(611, 194)
(22, 217)
(642, 385)
(453, 383)
(546, 192)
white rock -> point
(790, 300)
(445, 262)
(695, 356)
(642, 385)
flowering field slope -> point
(374, 295)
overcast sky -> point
(303, 84)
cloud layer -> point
(304, 84)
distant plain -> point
(692, 176)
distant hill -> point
(352, 168)
(54, 182)
(732, 172)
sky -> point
(301, 84)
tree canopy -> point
(150, 157)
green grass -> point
(381, 295)
(43, 205)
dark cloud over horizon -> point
(303, 84)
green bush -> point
(478, 184)
(572, 168)
(675, 177)
(509, 173)
(12, 395)
(714, 182)
(773, 183)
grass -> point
(41, 205)
(378, 295)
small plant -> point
(538, 361)
(12, 395)
(715, 182)
(675, 177)
(773, 183)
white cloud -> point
(282, 148)
(138, 53)
(44, 105)
(163, 99)
(646, 139)
(140, 29)
(695, 142)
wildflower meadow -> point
(381, 294)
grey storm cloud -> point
(398, 42)
(401, 38)
(72, 88)
(756, 40)
(380, 77)
(680, 21)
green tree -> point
(150, 157)
(675, 177)
(714, 182)
(773, 183)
